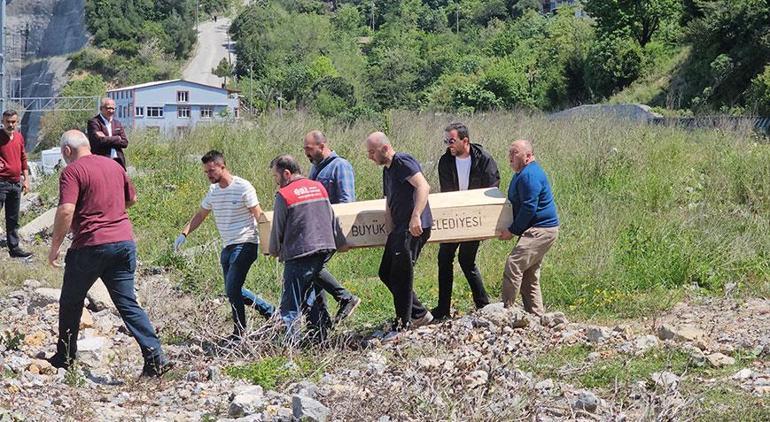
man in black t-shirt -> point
(408, 215)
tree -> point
(639, 18)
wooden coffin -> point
(457, 216)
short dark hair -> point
(462, 130)
(285, 162)
(10, 113)
(214, 156)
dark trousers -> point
(330, 284)
(302, 295)
(10, 198)
(397, 272)
(467, 260)
(115, 264)
(236, 261)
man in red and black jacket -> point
(14, 179)
(304, 235)
(464, 166)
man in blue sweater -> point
(536, 224)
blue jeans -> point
(301, 295)
(236, 261)
(115, 264)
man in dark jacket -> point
(106, 135)
(464, 166)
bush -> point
(613, 63)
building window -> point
(183, 96)
(182, 131)
(207, 112)
(154, 111)
(139, 112)
(183, 112)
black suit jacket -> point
(103, 144)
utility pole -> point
(372, 15)
(197, 6)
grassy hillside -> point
(647, 212)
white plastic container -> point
(51, 158)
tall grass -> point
(645, 211)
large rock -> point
(644, 343)
(307, 409)
(42, 223)
(46, 295)
(681, 333)
(666, 380)
(246, 401)
(598, 334)
(99, 297)
(501, 316)
(719, 360)
(587, 401)
(29, 201)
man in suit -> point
(106, 134)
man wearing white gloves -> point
(236, 210)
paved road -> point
(211, 48)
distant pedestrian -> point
(463, 166)
(336, 175)
(102, 247)
(106, 134)
(535, 222)
(14, 179)
(408, 215)
(236, 209)
(303, 236)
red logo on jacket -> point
(303, 190)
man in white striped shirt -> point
(236, 210)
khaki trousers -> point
(522, 268)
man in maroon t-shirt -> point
(14, 178)
(103, 247)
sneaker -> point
(152, 369)
(346, 308)
(439, 314)
(425, 320)
(19, 253)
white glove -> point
(178, 242)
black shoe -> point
(19, 253)
(60, 361)
(154, 369)
(439, 315)
(346, 308)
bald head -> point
(379, 149)
(524, 145)
(377, 139)
(74, 144)
(316, 148)
(520, 154)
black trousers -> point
(467, 259)
(397, 272)
(330, 284)
(10, 198)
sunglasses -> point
(450, 141)
(109, 108)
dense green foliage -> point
(140, 40)
(347, 58)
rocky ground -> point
(705, 359)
